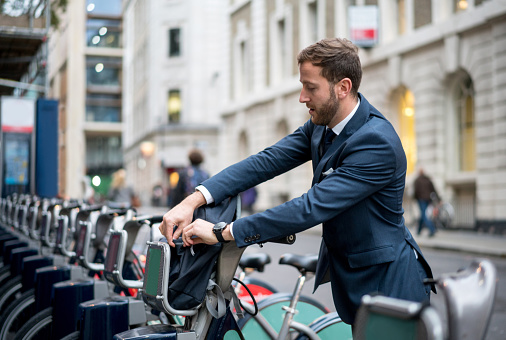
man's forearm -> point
(196, 200)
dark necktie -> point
(329, 138)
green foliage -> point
(37, 8)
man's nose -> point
(303, 98)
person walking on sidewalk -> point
(424, 188)
(189, 178)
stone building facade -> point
(437, 71)
(173, 80)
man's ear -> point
(343, 88)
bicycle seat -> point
(254, 261)
(304, 263)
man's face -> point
(317, 94)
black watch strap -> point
(218, 229)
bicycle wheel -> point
(258, 288)
(39, 327)
(17, 314)
(329, 327)
(446, 214)
(72, 336)
(10, 292)
(271, 309)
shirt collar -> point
(339, 127)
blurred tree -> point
(37, 8)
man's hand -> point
(201, 231)
(181, 216)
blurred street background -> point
(90, 87)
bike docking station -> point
(50, 309)
(68, 295)
(103, 318)
(19, 218)
(199, 321)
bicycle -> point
(441, 213)
(199, 322)
(302, 315)
(20, 302)
(69, 285)
(259, 289)
(123, 312)
(268, 319)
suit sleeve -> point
(288, 153)
(367, 163)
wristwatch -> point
(218, 229)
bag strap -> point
(232, 296)
(214, 291)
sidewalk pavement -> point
(464, 241)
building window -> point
(401, 17)
(313, 22)
(103, 153)
(282, 40)
(465, 125)
(174, 106)
(103, 107)
(103, 33)
(244, 67)
(422, 12)
(460, 5)
(103, 71)
(174, 42)
(407, 128)
(103, 8)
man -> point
(424, 188)
(356, 192)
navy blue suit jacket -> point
(357, 193)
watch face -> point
(219, 226)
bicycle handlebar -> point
(150, 220)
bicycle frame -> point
(288, 322)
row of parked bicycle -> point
(76, 271)
(70, 270)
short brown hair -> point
(195, 157)
(338, 59)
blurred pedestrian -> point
(248, 199)
(157, 195)
(189, 178)
(424, 188)
(119, 192)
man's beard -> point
(326, 113)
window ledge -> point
(462, 179)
